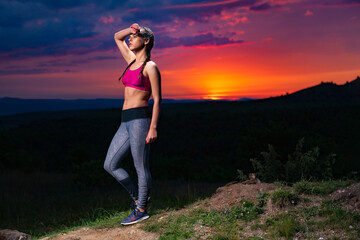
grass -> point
(226, 224)
(45, 205)
(320, 188)
(284, 197)
(284, 225)
(311, 218)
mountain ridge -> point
(325, 92)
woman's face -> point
(136, 42)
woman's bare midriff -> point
(135, 98)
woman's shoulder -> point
(151, 65)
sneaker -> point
(135, 217)
(133, 205)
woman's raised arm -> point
(120, 36)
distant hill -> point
(9, 106)
(325, 92)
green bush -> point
(301, 165)
(262, 198)
(282, 197)
(270, 168)
(306, 165)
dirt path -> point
(120, 233)
(228, 196)
(225, 197)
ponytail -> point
(126, 69)
(143, 66)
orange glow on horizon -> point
(220, 85)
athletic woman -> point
(138, 126)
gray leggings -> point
(131, 136)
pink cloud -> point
(238, 20)
(133, 10)
(106, 20)
(308, 13)
(283, 1)
(214, 46)
(191, 23)
(203, 33)
(226, 16)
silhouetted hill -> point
(17, 105)
(322, 94)
(325, 92)
(10, 106)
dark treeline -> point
(197, 141)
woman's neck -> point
(141, 56)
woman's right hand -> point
(135, 28)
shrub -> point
(300, 165)
(241, 176)
(282, 197)
(306, 165)
(262, 198)
(270, 168)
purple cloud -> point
(261, 7)
(40, 27)
(202, 40)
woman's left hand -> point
(151, 136)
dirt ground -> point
(132, 232)
(233, 193)
(225, 197)
(349, 197)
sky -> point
(212, 49)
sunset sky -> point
(221, 49)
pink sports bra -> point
(131, 79)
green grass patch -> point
(283, 197)
(319, 188)
(226, 223)
(336, 217)
(45, 203)
(262, 198)
(284, 225)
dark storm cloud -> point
(339, 2)
(203, 40)
(49, 27)
(48, 33)
(195, 12)
(68, 4)
(14, 14)
(48, 66)
(261, 7)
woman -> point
(137, 129)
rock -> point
(7, 234)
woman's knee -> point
(107, 167)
